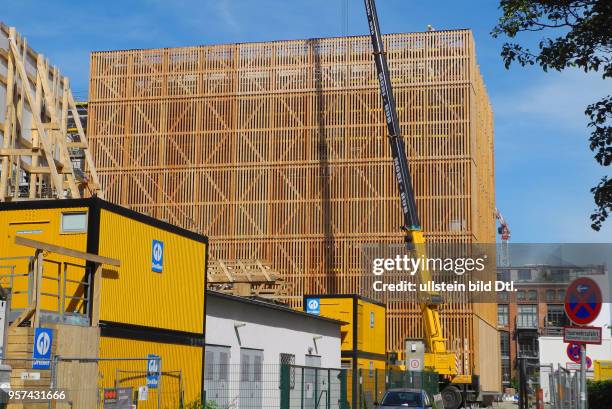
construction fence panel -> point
(373, 384)
(82, 383)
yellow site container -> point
(152, 304)
(603, 370)
(363, 338)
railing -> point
(527, 322)
(65, 288)
(552, 331)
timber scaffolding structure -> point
(278, 152)
(41, 156)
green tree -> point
(576, 33)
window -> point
(550, 295)
(245, 363)
(520, 295)
(503, 275)
(210, 366)
(289, 359)
(502, 314)
(223, 366)
(257, 368)
(504, 341)
(505, 363)
(555, 316)
(527, 316)
(502, 296)
(371, 319)
(524, 274)
(560, 295)
(74, 222)
(532, 295)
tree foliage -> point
(576, 34)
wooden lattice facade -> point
(277, 151)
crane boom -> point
(456, 389)
(398, 149)
(412, 226)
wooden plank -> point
(66, 251)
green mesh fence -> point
(316, 388)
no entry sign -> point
(583, 301)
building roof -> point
(269, 304)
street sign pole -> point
(583, 392)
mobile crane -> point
(456, 390)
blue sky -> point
(544, 169)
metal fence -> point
(371, 385)
(286, 386)
(560, 387)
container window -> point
(74, 222)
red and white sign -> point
(582, 335)
(583, 301)
(573, 352)
(575, 366)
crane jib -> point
(398, 149)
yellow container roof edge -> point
(353, 296)
(96, 204)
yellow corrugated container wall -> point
(141, 312)
(42, 224)
(172, 299)
(363, 336)
(187, 359)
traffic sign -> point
(573, 352)
(582, 301)
(41, 353)
(153, 369)
(589, 362)
(582, 335)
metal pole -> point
(583, 393)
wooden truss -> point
(247, 278)
(40, 157)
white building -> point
(554, 351)
(246, 341)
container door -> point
(216, 371)
(251, 376)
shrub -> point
(599, 393)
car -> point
(402, 398)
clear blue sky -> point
(544, 169)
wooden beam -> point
(66, 251)
(95, 301)
(57, 180)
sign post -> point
(582, 306)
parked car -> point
(402, 398)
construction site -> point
(251, 177)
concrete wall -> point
(267, 331)
(272, 331)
